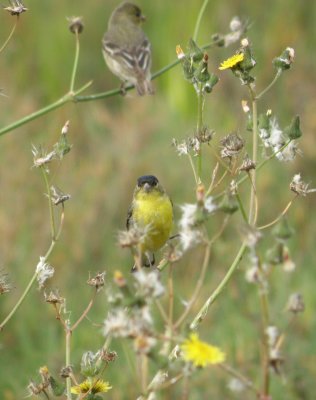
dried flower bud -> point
(16, 8)
(247, 164)
(296, 303)
(108, 356)
(5, 285)
(180, 53)
(75, 25)
(232, 145)
(299, 187)
(284, 61)
(53, 297)
(90, 363)
(97, 281)
(144, 344)
(58, 196)
(66, 372)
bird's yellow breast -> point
(153, 211)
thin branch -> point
(199, 19)
(84, 314)
(197, 289)
(10, 35)
(204, 309)
(280, 216)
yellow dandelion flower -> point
(231, 62)
(200, 353)
(88, 386)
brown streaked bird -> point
(126, 49)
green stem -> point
(20, 301)
(45, 110)
(10, 35)
(75, 66)
(199, 19)
(252, 213)
(276, 77)
(68, 347)
(50, 205)
(199, 130)
(241, 207)
(204, 309)
(26, 291)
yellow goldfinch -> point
(151, 212)
(126, 49)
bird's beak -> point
(143, 18)
(147, 187)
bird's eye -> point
(138, 13)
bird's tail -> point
(144, 87)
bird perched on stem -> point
(151, 213)
(126, 49)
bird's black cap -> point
(150, 179)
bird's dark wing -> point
(129, 217)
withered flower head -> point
(16, 7)
(296, 303)
(58, 196)
(75, 24)
(66, 372)
(247, 164)
(108, 355)
(53, 297)
(232, 144)
(299, 187)
(5, 285)
(97, 281)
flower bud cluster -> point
(195, 68)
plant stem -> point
(252, 213)
(280, 216)
(50, 204)
(26, 291)
(197, 289)
(199, 19)
(171, 298)
(276, 77)
(10, 35)
(204, 309)
(68, 348)
(199, 128)
(45, 110)
(75, 66)
(241, 207)
(20, 301)
(84, 314)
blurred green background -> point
(118, 139)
